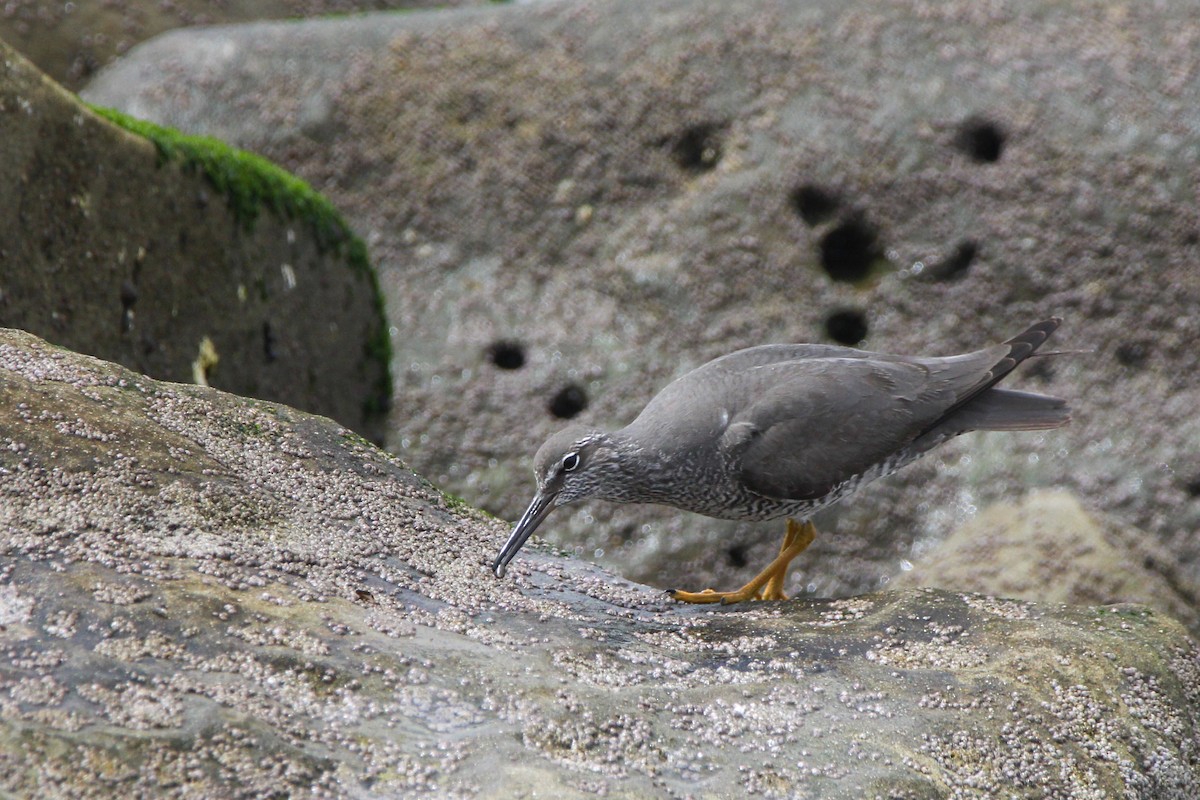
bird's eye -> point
(570, 462)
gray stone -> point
(208, 596)
(70, 41)
(1047, 547)
(184, 260)
(629, 188)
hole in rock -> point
(568, 402)
(698, 148)
(506, 354)
(957, 263)
(981, 139)
(1131, 354)
(847, 326)
(849, 250)
(813, 203)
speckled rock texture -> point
(108, 248)
(573, 202)
(70, 41)
(1047, 547)
(207, 596)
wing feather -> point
(831, 419)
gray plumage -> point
(783, 430)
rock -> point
(70, 41)
(571, 203)
(203, 595)
(1047, 548)
(182, 258)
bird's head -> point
(570, 466)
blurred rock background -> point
(70, 41)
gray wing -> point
(820, 422)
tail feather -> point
(1021, 347)
(984, 407)
(1010, 410)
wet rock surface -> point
(203, 595)
(573, 202)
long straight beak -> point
(543, 504)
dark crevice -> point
(129, 296)
(737, 556)
(847, 326)
(270, 343)
(506, 354)
(1131, 354)
(956, 264)
(813, 203)
(568, 402)
(981, 139)
(149, 344)
(697, 148)
(850, 250)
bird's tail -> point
(1010, 410)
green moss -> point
(350, 438)
(250, 182)
(249, 429)
(457, 504)
(1124, 611)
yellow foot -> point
(768, 584)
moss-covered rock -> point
(182, 258)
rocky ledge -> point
(203, 595)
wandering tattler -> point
(783, 430)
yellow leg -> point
(768, 584)
(773, 588)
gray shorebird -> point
(784, 430)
